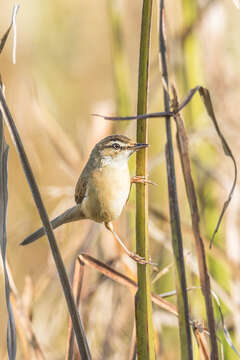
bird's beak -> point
(139, 146)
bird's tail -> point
(72, 214)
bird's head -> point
(116, 149)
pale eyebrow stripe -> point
(125, 146)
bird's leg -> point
(132, 255)
(141, 179)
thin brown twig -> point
(201, 341)
(182, 142)
(124, 280)
(77, 287)
(176, 232)
(136, 117)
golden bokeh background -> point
(68, 65)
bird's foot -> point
(142, 180)
(139, 259)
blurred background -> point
(75, 58)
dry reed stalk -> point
(181, 286)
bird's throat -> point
(120, 162)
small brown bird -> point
(102, 188)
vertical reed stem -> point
(144, 327)
(182, 300)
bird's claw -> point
(142, 180)
(139, 259)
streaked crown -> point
(117, 146)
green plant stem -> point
(182, 300)
(144, 327)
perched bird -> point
(102, 188)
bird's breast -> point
(107, 192)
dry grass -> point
(63, 74)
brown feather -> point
(81, 186)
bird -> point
(103, 188)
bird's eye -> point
(116, 146)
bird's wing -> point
(81, 188)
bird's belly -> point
(107, 194)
